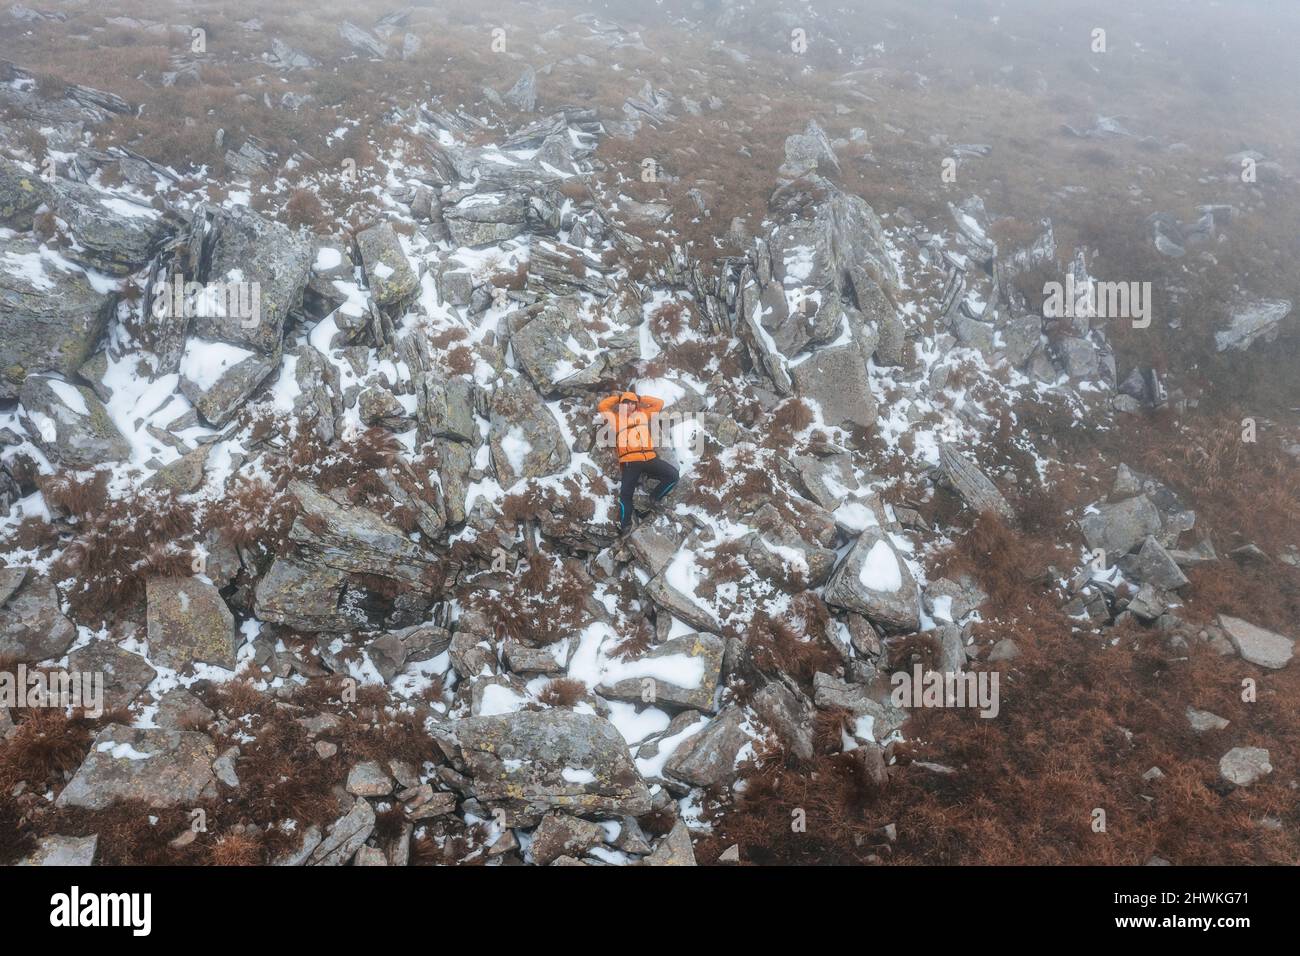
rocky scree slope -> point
(366, 538)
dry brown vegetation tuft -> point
(1080, 722)
(118, 545)
(562, 692)
(545, 602)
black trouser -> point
(655, 468)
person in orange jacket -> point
(629, 416)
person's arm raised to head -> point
(606, 409)
(650, 404)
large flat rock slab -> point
(535, 761)
(63, 851)
(1257, 645)
(161, 768)
(682, 672)
(189, 623)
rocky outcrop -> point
(32, 626)
(70, 424)
(50, 317)
(525, 438)
(160, 768)
(461, 558)
(532, 762)
(189, 624)
(874, 581)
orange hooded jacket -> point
(631, 428)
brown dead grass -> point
(1080, 722)
(545, 602)
(793, 644)
(47, 747)
(1005, 563)
(119, 545)
(562, 692)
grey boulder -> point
(1250, 320)
(808, 151)
(346, 837)
(161, 768)
(709, 757)
(874, 581)
(189, 623)
(303, 596)
(1242, 766)
(238, 245)
(362, 40)
(525, 438)
(1119, 527)
(393, 284)
(668, 669)
(534, 761)
(485, 218)
(21, 194)
(972, 485)
(111, 234)
(50, 319)
(556, 350)
(125, 674)
(32, 626)
(70, 424)
(63, 851)
(218, 379)
(675, 849)
(1202, 720)
(1256, 645)
(836, 380)
(356, 540)
(523, 95)
(1154, 565)
(562, 835)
